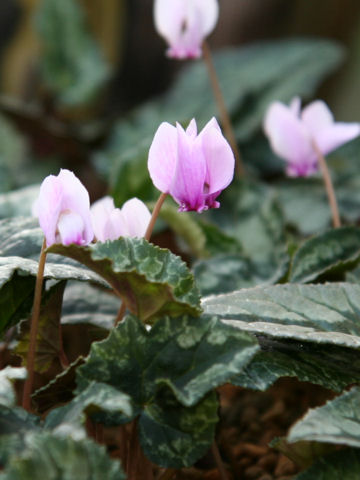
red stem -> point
(34, 326)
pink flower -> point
(63, 209)
(193, 169)
(293, 133)
(110, 223)
(184, 24)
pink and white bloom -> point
(63, 209)
(184, 24)
(110, 223)
(294, 134)
(193, 168)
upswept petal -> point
(209, 14)
(335, 135)
(168, 18)
(70, 227)
(219, 157)
(192, 129)
(76, 199)
(49, 207)
(188, 44)
(115, 226)
(288, 137)
(317, 116)
(295, 106)
(162, 157)
(188, 184)
(100, 212)
(137, 217)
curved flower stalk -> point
(63, 209)
(193, 168)
(110, 223)
(184, 24)
(298, 136)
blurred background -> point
(73, 71)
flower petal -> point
(115, 226)
(189, 180)
(184, 24)
(295, 106)
(289, 138)
(162, 157)
(219, 157)
(337, 134)
(49, 207)
(327, 134)
(137, 217)
(76, 199)
(70, 226)
(209, 14)
(168, 17)
(317, 116)
(192, 129)
(100, 212)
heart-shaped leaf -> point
(334, 251)
(52, 457)
(171, 397)
(150, 280)
(336, 422)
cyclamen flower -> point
(184, 24)
(294, 134)
(110, 223)
(192, 168)
(63, 209)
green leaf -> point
(168, 394)
(150, 280)
(344, 465)
(311, 331)
(20, 245)
(305, 204)
(7, 376)
(336, 422)
(250, 213)
(97, 397)
(16, 297)
(329, 366)
(48, 343)
(176, 437)
(17, 421)
(59, 390)
(226, 273)
(217, 242)
(335, 250)
(302, 453)
(326, 314)
(74, 68)
(18, 202)
(86, 304)
(186, 227)
(52, 457)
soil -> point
(249, 421)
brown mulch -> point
(249, 421)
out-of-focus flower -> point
(63, 209)
(184, 24)
(110, 223)
(294, 134)
(193, 169)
